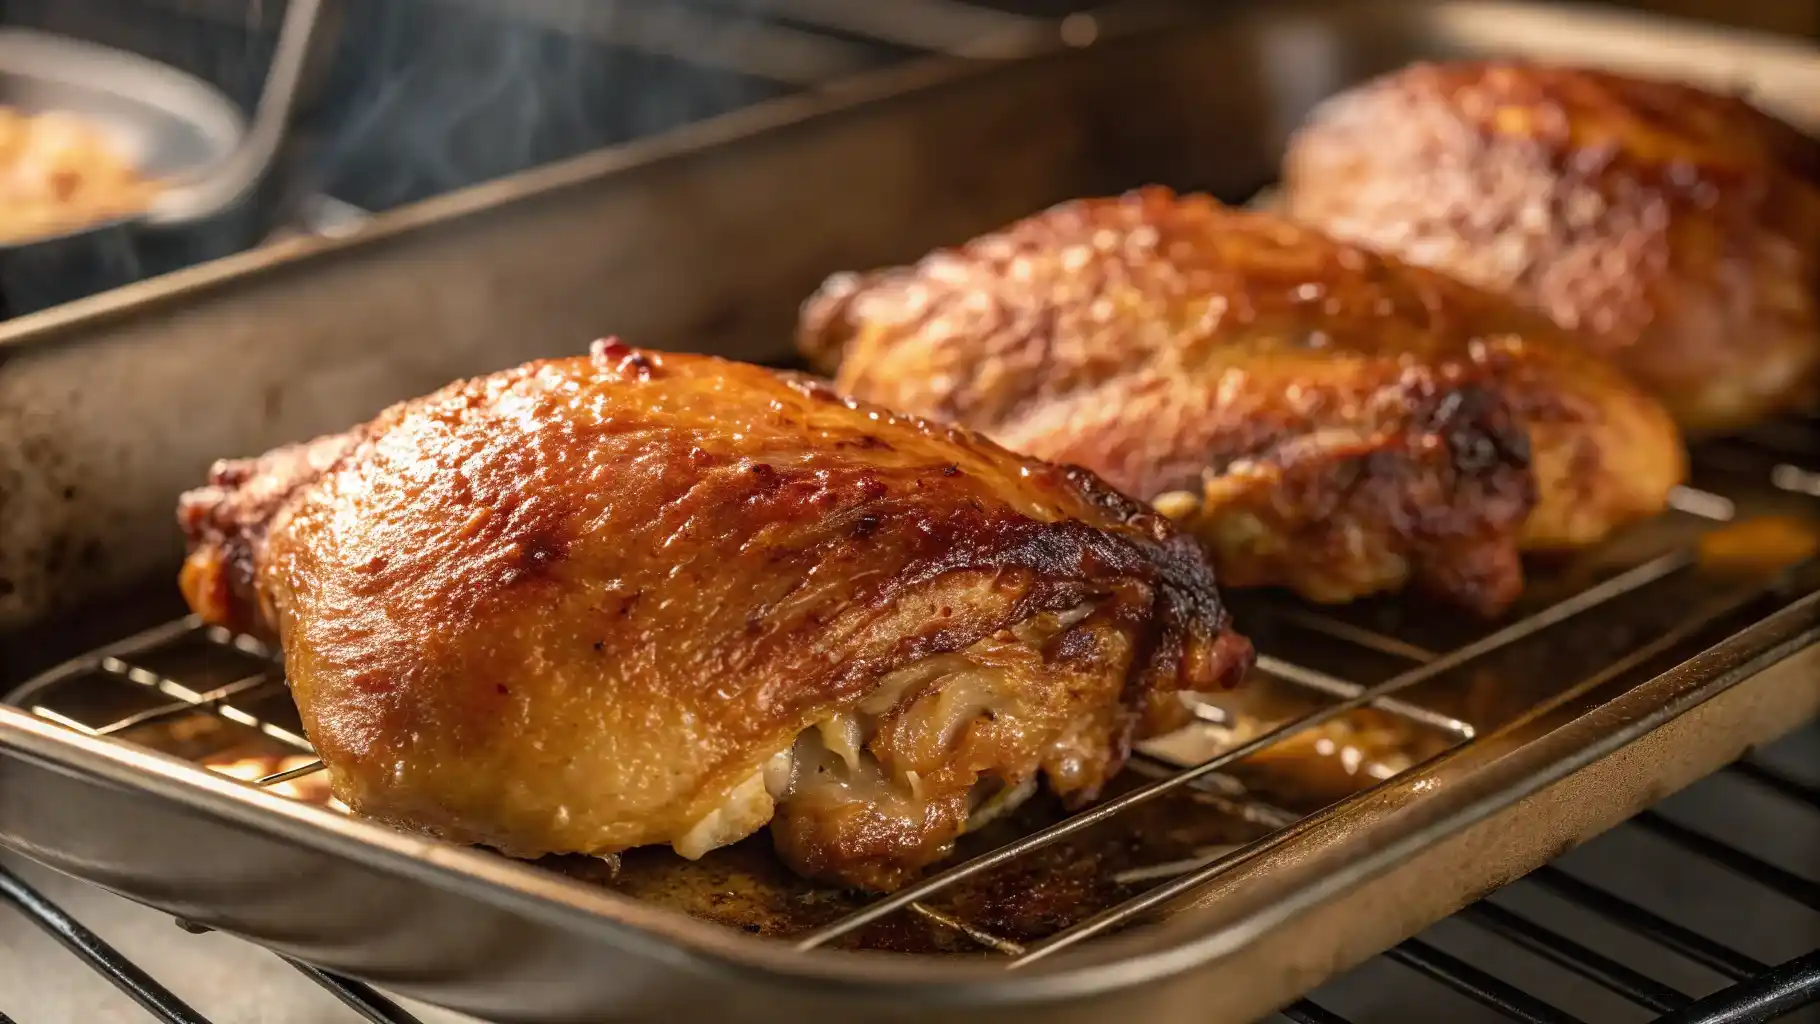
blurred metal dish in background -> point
(179, 133)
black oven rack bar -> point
(102, 958)
(157, 1000)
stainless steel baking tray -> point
(1210, 896)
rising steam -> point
(433, 95)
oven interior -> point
(1344, 699)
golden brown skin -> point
(637, 598)
(1678, 230)
(1323, 418)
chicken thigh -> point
(1325, 419)
(1677, 230)
(636, 598)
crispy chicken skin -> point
(1677, 229)
(636, 598)
(1323, 418)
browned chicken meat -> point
(1323, 418)
(636, 598)
(1678, 230)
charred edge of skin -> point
(1184, 593)
(624, 361)
(1481, 429)
(1487, 441)
(220, 555)
(216, 524)
(1071, 560)
(1163, 598)
(1043, 551)
(1067, 563)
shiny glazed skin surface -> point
(1677, 230)
(635, 598)
(1322, 417)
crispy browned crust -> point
(1677, 229)
(1324, 418)
(570, 607)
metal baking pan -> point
(1625, 673)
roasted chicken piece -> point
(1678, 230)
(1323, 418)
(636, 598)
